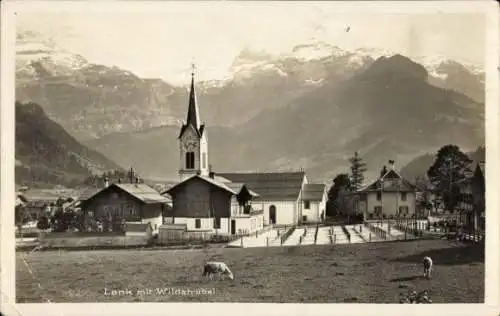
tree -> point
(341, 183)
(450, 167)
(358, 168)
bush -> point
(43, 222)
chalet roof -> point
(214, 182)
(86, 193)
(270, 186)
(140, 191)
(314, 191)
(137, 227)
(401, 185)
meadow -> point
(356, 273)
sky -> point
(162, 43)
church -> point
(235, 203)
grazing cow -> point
(427, 267)
(219, 268)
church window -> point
(307, 205)
(197, 223)
(204, 160)
(190, 160)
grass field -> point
(361, 273)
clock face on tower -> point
(190, 142)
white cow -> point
(427, 267)
(220, 268)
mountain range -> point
(310, 108)
(46, 154)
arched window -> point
(272, 214)
(190, 160)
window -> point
(403, 210)
(190, 160)
(304, 218)
(378, 210)
(403, 196)
(197, 223)
(307, 205)
(204, 160)
(217, 223)
(379, 196)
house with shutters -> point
(390, 196)
(232, 202)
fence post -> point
(267, 241)
(405, 233)
(370, 237)
(334, 239)
(242, 242)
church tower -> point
(193, 141)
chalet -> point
(279, 195)
(117, 203)
(203, 204)
(43, 201)
(390, 196)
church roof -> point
(270, 186)
(314, 192)
(237, 187)
(193, 115)
(392, 182)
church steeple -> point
(193, 116)
(193, 140)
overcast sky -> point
(163, 43)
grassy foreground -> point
(361, 273)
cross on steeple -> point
(193, 68)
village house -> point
(44, 201)
(115, 205)
(390, 196)
(203, 204)
(277, 195)
(471, 202)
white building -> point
(390, 196)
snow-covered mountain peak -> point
(33, 48)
